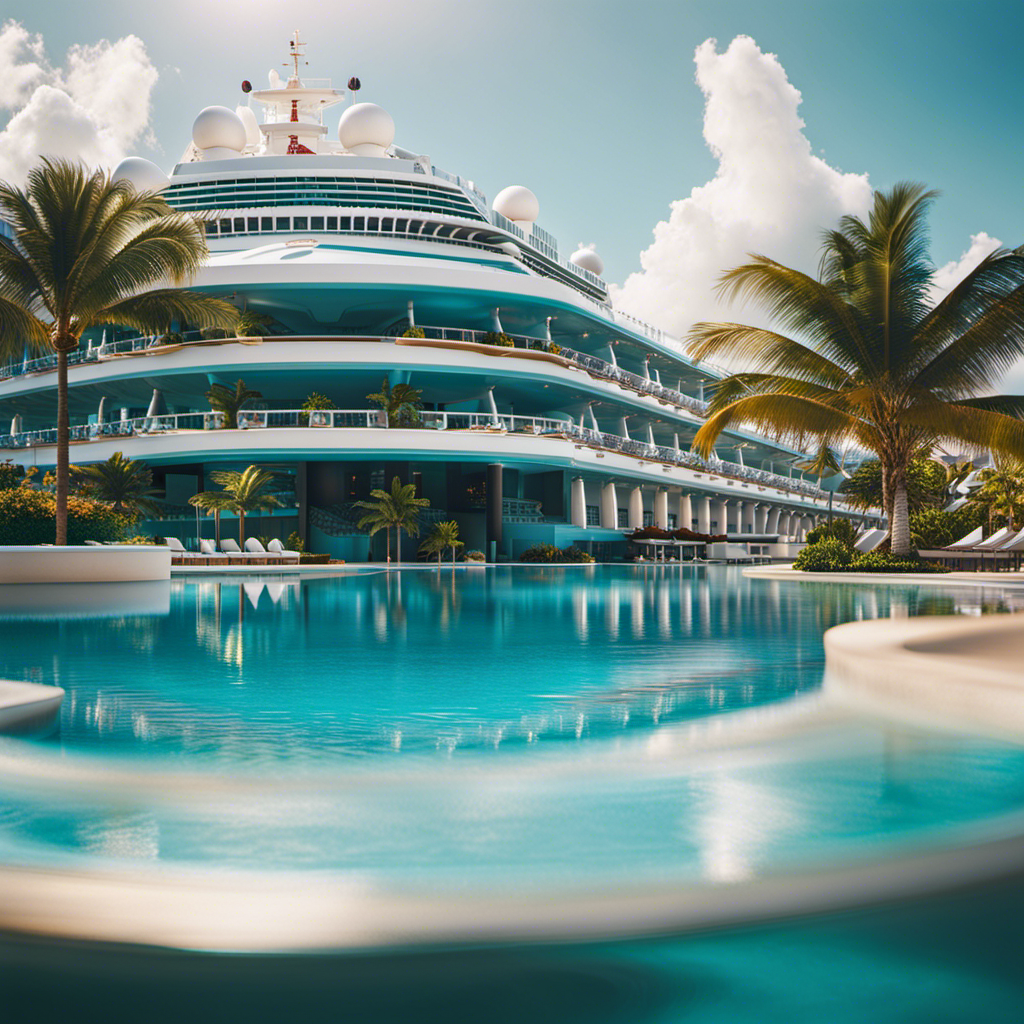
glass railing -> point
(504, 423)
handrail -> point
(274, 419)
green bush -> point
(554, 349)
(498, 338)
(315, 402)
(884, 561)
(828, 555)
(938, 528)
(839, 529)
(28, 516)
(413, 332)
(11, 474)
(295, 543)
(474, 556)
(170, 338)
(305, 558)
(550, 554)
(212, 333)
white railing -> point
(275, 419)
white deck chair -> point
(209, 551)
(997, 540)
(178, 551)
(236, 554)
(869, 540)
(255, 547)
(970, 540)
(275, 547)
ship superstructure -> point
(548, 416)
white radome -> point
(219, 128)
(517, 204)
(586, 258)
(252, 127)
(142, 174)
(366, 129)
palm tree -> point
(397, 509)
(879, 365)
(88, 250)
(401, 404)
(1002, 489)
(125, 483)
(230, 401)
(213, 503)
(242, 493)
(440, 538)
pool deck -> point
(787, 574)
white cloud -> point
(955, 271)
(94, 109)
(770, 194)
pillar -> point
(623, 428)
(785, 522)
(578, 503)
(748, 517)
(761, 519)
(636, 509)
(412, 316)
(609, 507)
(494, 501)
(684, 517)
(773, 520)
(721, 516)
(661, 508)
(703, 514)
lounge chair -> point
(179, 555)
(969, 540)
(277, 548)
(211, 554)
(255, 547)
(236, 554)
(869, 540)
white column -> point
(684, 517)
(661, 508)
(496, 321)
(412, 316)
(703, 514)
(748, 517)
(785, 525)
(761, 519)
(578, 503)
(721, 516)
(101, 412)
(773, 520)
(155, 403)
(636, 509)
(650, 435)
(623, 428)
(675, 443)
(609, 507)
(647, 370)
(593, 419)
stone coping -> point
(28, 707)
(786, 573)
(114, 563)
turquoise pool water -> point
(528, 729)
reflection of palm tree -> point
(397, 509)
(126, 484)
(440, 538)
(401, 404)
(879, 365)
(229, 401)
(245, 492)
(87, 251)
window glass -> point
(284, 223)
(300, 223)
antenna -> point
(294, 52)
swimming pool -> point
(514, 730)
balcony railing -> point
(374, 419)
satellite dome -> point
(586, 258)
(517, 204)
(219, 128)
(251, 125)
(366, 129)
(143, 175)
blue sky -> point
(594, 104)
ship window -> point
(266, 223)
(358, 223)
(284, 223)
(415, 226)
(253, 224)
(623, 518)
(332, 223)
(239, 225)
(316, 223)
(372, 223)
(402, 225)
(211, 227)
(346, 224)
(648, 519)
(387, 224)
(593, 515)
(300, 223)
(225, 227)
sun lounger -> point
(869, 540)
(970, 540)
(277, 548)
(255, 548)
(236, 554)
(211, 554)
(179, 555)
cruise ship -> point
(548, 416)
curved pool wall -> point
(577, 758)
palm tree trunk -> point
(398, 545)
(900, 523)
(63, 439)
(216, 526)
(241, 529)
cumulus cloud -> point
(95, 108)
(952, 273)
(770, 194)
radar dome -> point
(366, 129)
(143, 175)
(219, 128)
(586, 258)
(517, 204)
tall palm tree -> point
(401, 404)
(230, 401)
(441, 537)
(397, 509)
(876, 363)
(1002, 489)
(88, 250)
(213, 503)
(242, 493)
(125, 483)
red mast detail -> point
(294, 146)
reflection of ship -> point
(549, 416)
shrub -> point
(498, 338)
(254, 325)
(828, 555)
(11, 474)
(140, 539)
(937, 528)
(884, 561)
(550, 554)
(295, 543)
(474, 556)
(315, 402)
(210, 333)
(413, 332)
(839, 529)
(554, 349)
(574, 554)
(170, 338)
(305, 558)
(28, 516)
